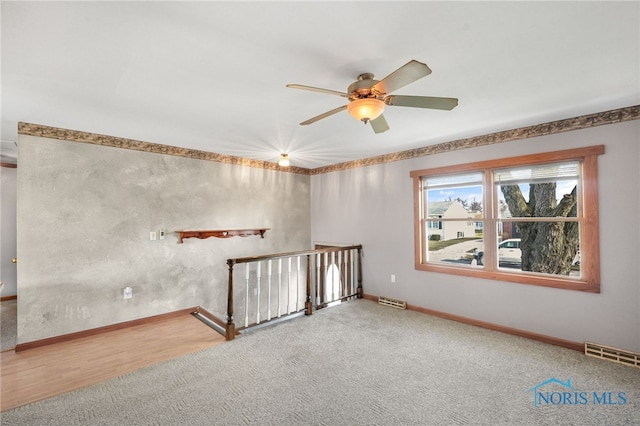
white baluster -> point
(333, 276)
(339, 272)
(289, 288)
(246, 295)
(318, 295)
(279, 283)
(298, 285)
(258, 293)
(355, 270)
(326, 278)
(269, 290)
(352, 258)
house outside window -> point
(440, 227)
(528, 219)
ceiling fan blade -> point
(422, 102)
(317, 89)
(408, 73)
(379, 125)
(325, 115)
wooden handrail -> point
(293, 253)
(230, 329)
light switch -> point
(152, 235)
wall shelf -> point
(220, 233)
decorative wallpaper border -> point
(115, 142)
(582, 122)
(566, 125)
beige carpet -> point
(357, 363)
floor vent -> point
(612, 354)
(392, 302)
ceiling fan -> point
(368, 97)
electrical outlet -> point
(127, 293)
(152, 235)
(161, 234)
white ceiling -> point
(212, 75)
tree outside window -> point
(548, 193)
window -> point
(527, 219)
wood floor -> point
(43, 372)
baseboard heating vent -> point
(387, 301)
(612, 354)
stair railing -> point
(283, 285)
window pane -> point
(538, 173)
(550, 199)
(546, 190)
(457, 250)
(549, 190)
(453, 196)
(460, 202)
(539, 247)
(464, 179)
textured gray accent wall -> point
(84, 217)
(374, 206)
(8, 231)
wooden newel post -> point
(231, 327)
(308, 305)
(360, 292)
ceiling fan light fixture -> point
(365, 109)
(284, 160)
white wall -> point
(8, 231)
(374, 206)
